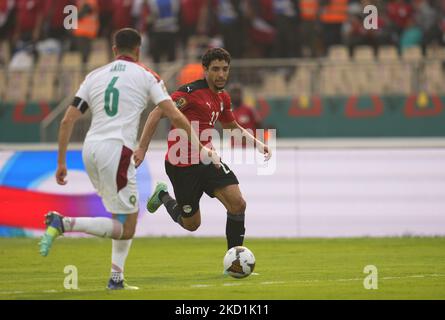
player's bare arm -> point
(263, 148)
(65, 131)
(147, 134)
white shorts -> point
(110, 166)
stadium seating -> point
(44, 78)
(396, 78)
(100, 44)
(364, 54)
(394, 75)
(274, 84)
(99, 54)
(43, 85)
(334, 76)
(97, 59)
(4, 53)
(17, 88)
(387, 54)
(386, 72)
(433, 77)
(301, 81)
(338, 53)
(412, 54)
(72, 60)
(336, 79)
(366, 71)
(435, 52)
(70, 74)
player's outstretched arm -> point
(65, 131)
(149, 129)
(260, 145)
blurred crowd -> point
(247, 28)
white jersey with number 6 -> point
(117, 94)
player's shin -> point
(101, 227)
(172, 207)
(235, 230)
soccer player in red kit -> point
(204, 101)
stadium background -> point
(358, 113)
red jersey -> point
(124, 19)
(199, 104)
(191, 11)
(27, 13)
(54, 12)
(246, 117)
(399, 13)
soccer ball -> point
(239, 262)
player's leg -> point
(187, 216)
(191, 223)
(114, 176)
(102, 163)
(183, 210)
(120, 250)
(122, 198)
(223, 184)
(232, 199)
(58, 225)
(101, 173)
(100, 227)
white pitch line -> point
(326, 280)
(201, 285)
(52, 291)
(272, 282)
(418, 276)
(231, 284)
(11, 292)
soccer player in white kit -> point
(116, 94)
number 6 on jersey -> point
(111, 90)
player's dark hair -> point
(127, 39)
(215, 54)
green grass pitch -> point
(191, 268)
